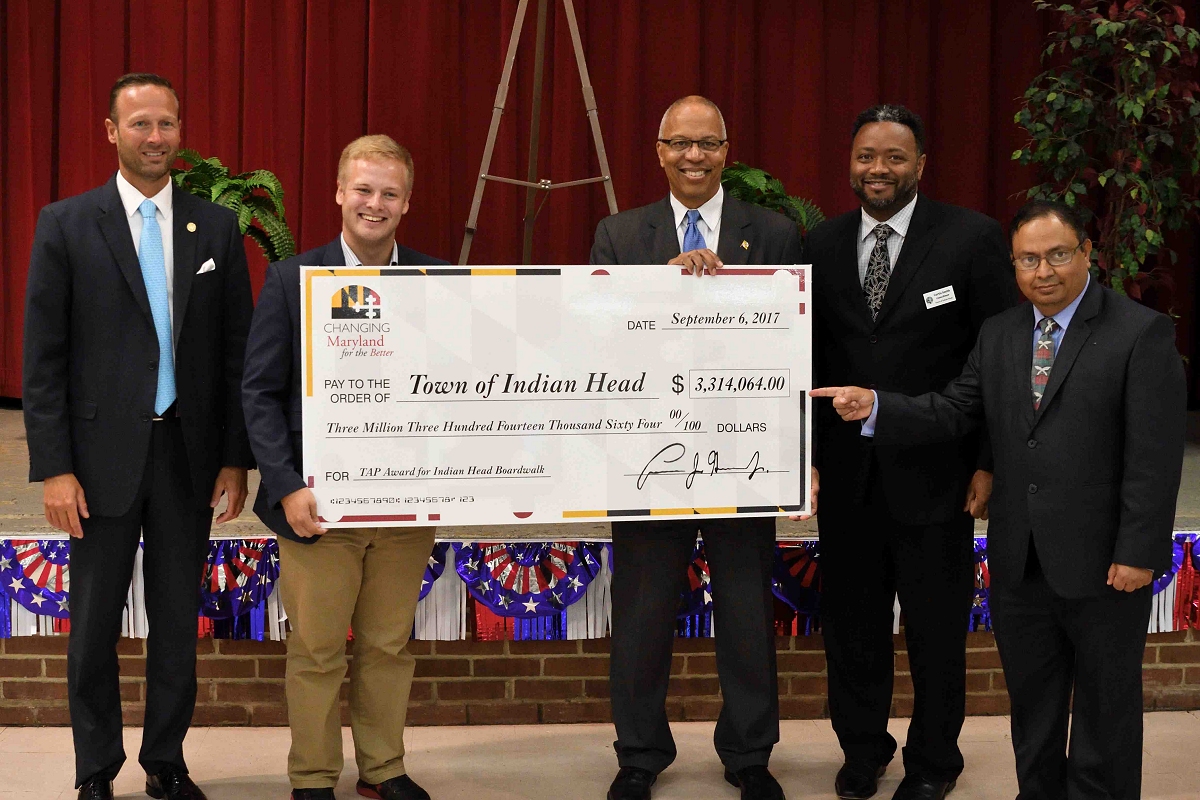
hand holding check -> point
(850, 402)
(698, 261)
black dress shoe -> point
(632, 783)
(858, 780)
(173, 783)
(756, 783)
(312, 794)
(96, 789)
(915, 788)
(401, 787)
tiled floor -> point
(566, 762)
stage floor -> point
(531, 762)
(21, 502)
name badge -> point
(939, 297)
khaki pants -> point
(367, 579)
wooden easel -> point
(534, 186)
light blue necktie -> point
(154, 275)
(692, 240)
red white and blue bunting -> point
(527, 590)
(533, 583)
(36, 576)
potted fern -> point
(753, 185)
(256, 196)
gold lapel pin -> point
(191, 226)
(745, 245)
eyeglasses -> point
(705, 145)
(1057, 258)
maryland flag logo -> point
(356, 302)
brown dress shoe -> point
(400, 787)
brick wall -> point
(464, 683)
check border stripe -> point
(727, 511)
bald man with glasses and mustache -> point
(697, 227)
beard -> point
(906, 190)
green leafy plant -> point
(753, 185)
(1114, 127)
(256, 196)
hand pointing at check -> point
(850, 402)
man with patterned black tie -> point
(137, 307)
(901, 287)
(1083, 395)
(699, 227)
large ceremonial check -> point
(536, 395)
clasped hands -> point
(855, 403)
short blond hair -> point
(378, 147)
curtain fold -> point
(285, 84)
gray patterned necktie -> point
(879, 270)
(1043, 359)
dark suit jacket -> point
(91, 352)
(909, 349)
(1093, 474)
(271, 387)
(647, 235)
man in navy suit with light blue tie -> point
(137, 307)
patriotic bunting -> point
(526, 590)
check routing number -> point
(538, 395)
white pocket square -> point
(207, 266)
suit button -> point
(153, 365)
(873, 338)
(1033, 488)
(1032, 443)
(145, 417)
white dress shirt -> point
(866, 237)
(709, 222)
(353, 260)
(132, 199)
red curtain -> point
(285, 84)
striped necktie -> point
(1043, 359)
(154, 275)
(879, 270)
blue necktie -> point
(154, 275)
(692, 240)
